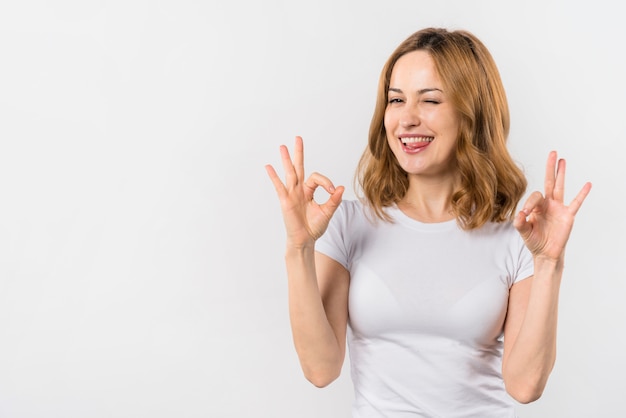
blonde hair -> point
(491, 184)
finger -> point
(316, 180)
(559, 186)
(298, 158)
(580, 198)
(550, 175)
(333, 202)
(278, 184)
(291, 177)
(534, 201)
(522, 225)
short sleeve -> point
(526, 265)
(334, 242)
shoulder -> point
(351, 209)
(351, 219)
(501, 230)
(502, 235)
(351, 205)
(508, 242)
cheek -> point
(453, 122)
(391, 139)
(390, 122)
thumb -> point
(522, 225)
(334, 201)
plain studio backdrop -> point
(141, 243)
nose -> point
(409, 117)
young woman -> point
(446, 294)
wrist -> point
(549, 263)
(549, 268)
(296, 249)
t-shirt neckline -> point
(406, 220)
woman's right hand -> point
(305, 219)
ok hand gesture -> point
(545, 222)
(305, 219)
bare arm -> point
(318, 310)
(530, 337)
(545, 224)
(318, 285)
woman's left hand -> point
(545, 222)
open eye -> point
(395, 100)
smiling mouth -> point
(415, 143)
(418, 139)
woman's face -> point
(422, 124)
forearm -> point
(321, 355)
(531, 359)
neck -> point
(428, 202)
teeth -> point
(413, 140)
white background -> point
(141, 244)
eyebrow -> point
(422, 91)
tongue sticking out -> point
(415, 146)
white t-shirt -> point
(427, 305)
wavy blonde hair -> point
(491, 184)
